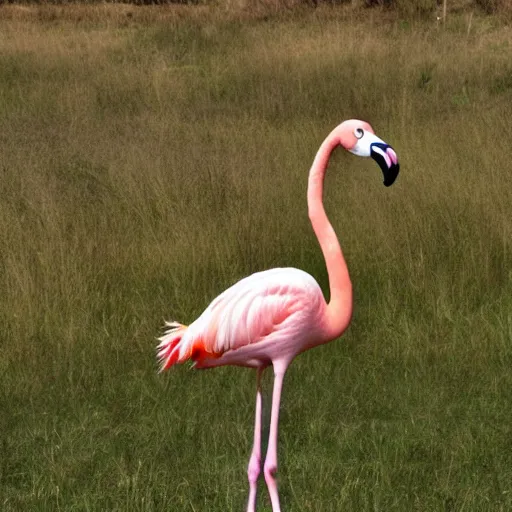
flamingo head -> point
(359, 138)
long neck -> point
(339, 308)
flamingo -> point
(270, 317)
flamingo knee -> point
(254, 468)
(270, 470)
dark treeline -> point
(404, 6)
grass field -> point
(150, 157)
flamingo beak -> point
(386, 157)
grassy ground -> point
(150, 158)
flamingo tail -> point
(169, 347)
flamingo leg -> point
(270, 466)
(254, 468)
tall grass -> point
(146, 166)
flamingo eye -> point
(359, 132)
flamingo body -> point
(272, 316)
(269, 315)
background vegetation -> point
(417, 8)
(151, 157)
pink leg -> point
(270, 466)
(254, 468)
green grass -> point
(148, 162)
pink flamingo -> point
(272, 316)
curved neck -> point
(339, 308)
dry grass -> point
(148, 161)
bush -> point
(406, 7)
(495, 6)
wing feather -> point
(251, 310)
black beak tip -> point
(391, 174)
